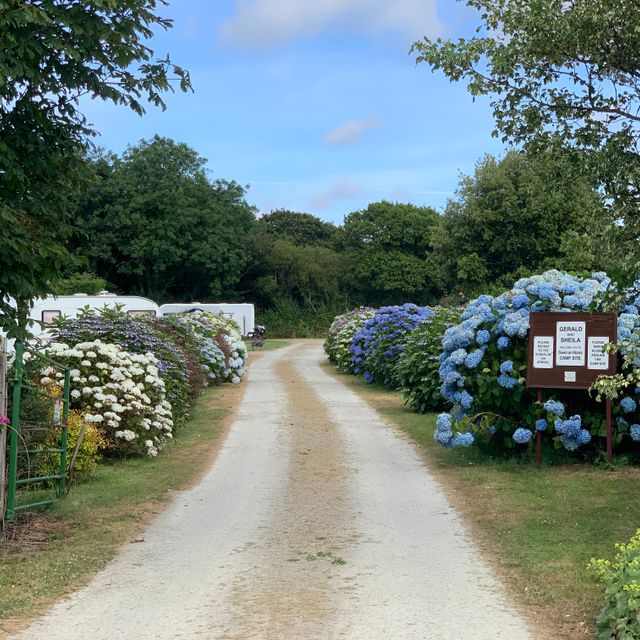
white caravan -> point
(45, 310)
(242, 314)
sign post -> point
(567, 351)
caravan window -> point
(49, 316)
(140, 314)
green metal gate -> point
(31, 437)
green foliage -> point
(51, 53)
(156, 225)
(419, 363)
(289, 319)
(89, 453)
(619, 619)
(558, 73)
(519, 215)
(81, 283)
(387, 246)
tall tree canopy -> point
(388, 245)
(559, 70)
(155, 224)
(520, 213)
(52, 52)
(299, 228)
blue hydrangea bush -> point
(483, 367)
(337, 345)
(378, 345)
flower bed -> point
(377, 346)
(483, 369)
(138, 336)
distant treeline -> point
(154, 223)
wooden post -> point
(3, 429)
(609, 430)
(538, 433)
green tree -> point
(387, 245)
(156, 225)
(52, 52)
(559, 71)
(299, 228)
(515, 216)
(311, 276)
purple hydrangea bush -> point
(377, 346)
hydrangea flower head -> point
(507, 382)
(522, 436)
(628, 404)
(541, 424)
(462, 440)
(554, 407)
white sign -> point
(570, 344)
(569, 376)
(543, 352)
(597, 358)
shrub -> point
(140, 336)
(223, 351)
(483, 368)
(419, 363)
(88, 454)
(377, 346)
(209, 356)
(121, 392)
(619, 616)
(338, 343)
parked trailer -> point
(46, 310)
(242, 314)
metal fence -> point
(38, 439)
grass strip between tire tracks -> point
(538, 526)
(49, 554)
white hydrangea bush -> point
(236, 362)
(121, 392)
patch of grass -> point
(268, 345)
(273, 344)
(539, 526)
(49, 554)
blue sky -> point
(316, 104)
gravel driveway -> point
(317, 521)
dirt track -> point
(317, 521)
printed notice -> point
(571, 344)
(543, 352)
(569, 376)
(597, 358)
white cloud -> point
(267, 23)
(351, 132)
(341, 189)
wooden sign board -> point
(566, 349)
